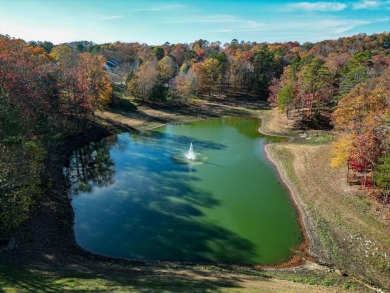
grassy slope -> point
(350, 231)
(103, 276)
(172, 278)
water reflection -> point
(91, 166)
(134, 201)
(249, 128)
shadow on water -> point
(152, 212)
(174, 142)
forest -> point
(48, 92)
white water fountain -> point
(190, 155)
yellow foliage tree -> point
(341, 150)
(167, 68)
(208, 74)
(63, 55)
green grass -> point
(320, 278)
(121, 100)
(361, 204)
(314, 137)
(124, 104)
(286, 158)
(13, 279)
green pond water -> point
(135, 196)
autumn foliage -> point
(363, 119)
(42, 96)
(48, 91)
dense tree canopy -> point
(42, 96)
(362, 117)
(47, 91)
(335, 82)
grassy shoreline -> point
(344, 231)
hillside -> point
(331, 99)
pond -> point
(136, 196)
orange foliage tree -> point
(362, 118)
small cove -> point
(133, 199)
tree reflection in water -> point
(91, 166)
(224, 210)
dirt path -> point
(275, 123)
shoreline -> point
(61, 156)
(305, 248)
(301, 254)
(321, 201)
